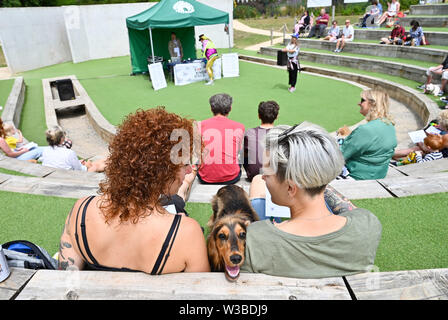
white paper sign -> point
(186, 73)
(230, 65)
(273, 210)
(157, 76)
(318, 3)
(417, 136)
(354, 1)
(433, 130)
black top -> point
(171, 236)
(445, 63)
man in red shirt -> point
(396, 35)
(223, 142)
(318, 29)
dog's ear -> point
(214, 258)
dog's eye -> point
(242, 235)
(222, 236)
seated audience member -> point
(126, 226)
(20, 153)
(304, 21)
(321, 24)
(392, 10)
(434, 144)
(300, 163)
(369, 148)
(333, 33)
(396, 35)
(441, 69)
(348, 34)
(254, 138)
(14, 137)
(223, 139)
(374, 13)
(417, 37)
(442, 125)
(57, 155)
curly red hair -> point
(139, 168)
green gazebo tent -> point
(150, 30)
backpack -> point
(27, 255)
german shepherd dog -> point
(226, 242)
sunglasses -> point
(363, 100)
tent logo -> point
(183, 7)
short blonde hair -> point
(443, 120)
(379, 105)
(307, 156)
(9, 128)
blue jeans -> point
(34, 153)
(259, 205)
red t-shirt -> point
(223, 141)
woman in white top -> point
(292, 50)
(392, 9)
(348, 34)
(57, 155)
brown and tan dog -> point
(226, 242)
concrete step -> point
(422, 53)
(429, 9)
(433, 37)
(425, 21)
(392, 68)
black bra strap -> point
(76, 229)
(84, 233)
(174, 227)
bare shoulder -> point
(190, 225)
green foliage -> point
(245, 12)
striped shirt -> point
(429, 157)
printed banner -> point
(318, 3)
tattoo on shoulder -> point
(336, 201)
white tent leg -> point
(152, 46)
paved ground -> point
(5, 73)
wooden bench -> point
(94, 285)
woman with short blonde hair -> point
(326, 235)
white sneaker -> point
(292, 89)
(209, 83)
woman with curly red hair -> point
(126, 228)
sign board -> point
(157, 76)
(354, 1)
(186, 73)
(318, 3)
(230, 65)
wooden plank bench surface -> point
(16, 280)
(99, 285)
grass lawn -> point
(245, 39)
(414, 228)
(116, 94)
(5, 90)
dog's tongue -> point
(233, 271)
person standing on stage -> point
(292, 50)
(175, 47)
(210, 53)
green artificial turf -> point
(414, 228)
(14, 173)
(5, 90)
(244, 39)
(116, 94)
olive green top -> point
(347, 251)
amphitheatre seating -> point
(26, 284)
(421, 53)
(14, 103)
(392, 68)
(433, 37)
